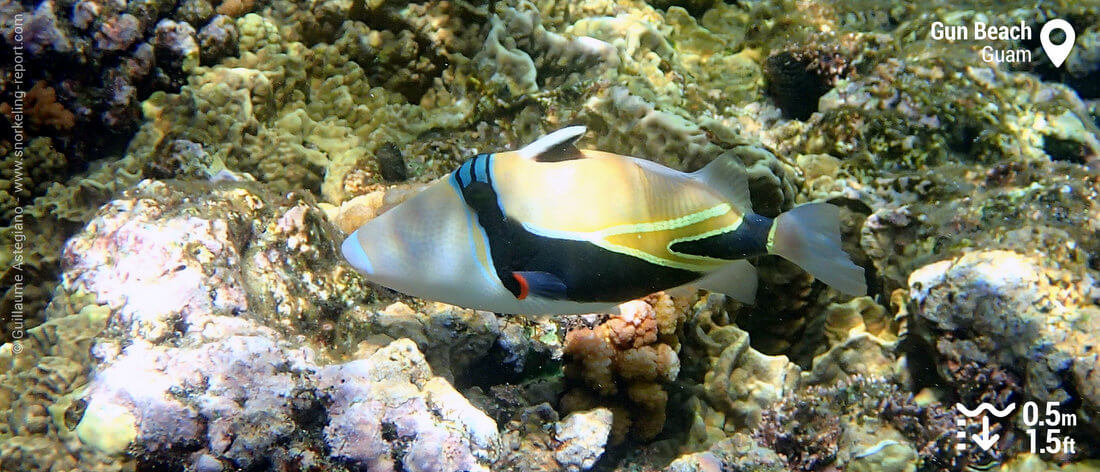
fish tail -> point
(809, 235)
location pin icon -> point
(1057, 52)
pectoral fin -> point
(543, 284)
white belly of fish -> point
(432, 247)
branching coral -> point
(625, 361)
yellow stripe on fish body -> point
(619, 203)
(652, 241)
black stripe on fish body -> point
(473, 170)
(509, 244)
(594, 274)
(590, 273)
(749, 239)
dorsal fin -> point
(556, 146)
(727, 176)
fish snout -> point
(353, 252)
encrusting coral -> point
(860, 339)
(738, 382)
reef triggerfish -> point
(551, 228)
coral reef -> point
(452, 338)
(85, 66)
(739, 382)
(1001, 314)
(43, 110)
(858, 423)
(798, 78)
(109, 43)
(535, 439)
(218, 39)
(49, 221)
(969, 192)
(41, 376)
(203, 356)
(319, 91)
(90, 71)
(388, 412)
(860, 339)
(1013, 206)
(583, 436)
(738, 453)
(624, 361)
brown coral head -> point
(44, 111)
(235, 8)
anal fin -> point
(736, 279)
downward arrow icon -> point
(984, 440)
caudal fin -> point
(809, 235)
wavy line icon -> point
(985, 407)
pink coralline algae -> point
(118, 33)
(187, 361)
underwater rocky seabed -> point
(192, 166)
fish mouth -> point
(353, 252)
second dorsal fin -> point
(555, 147)
(727, 176)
